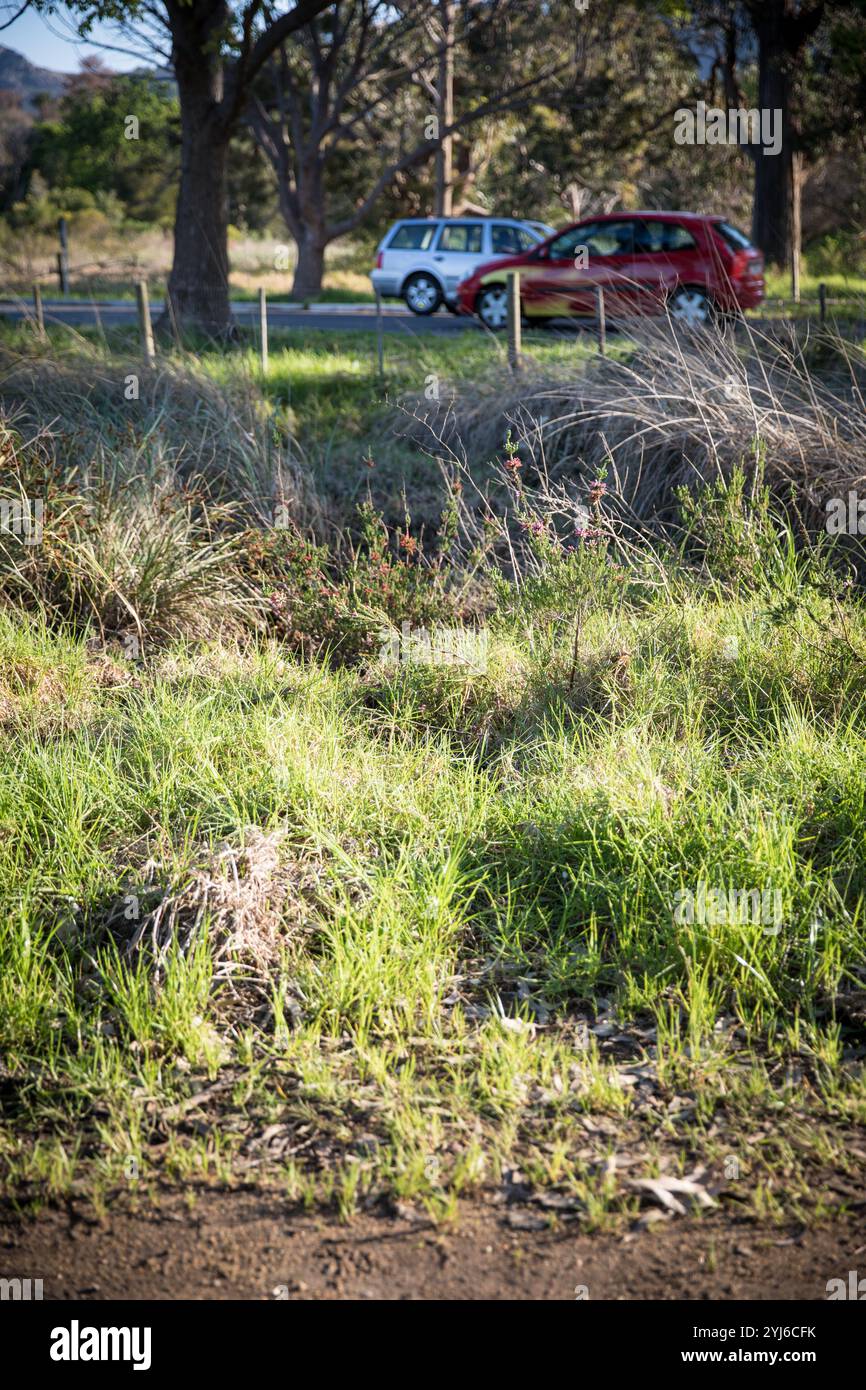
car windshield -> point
(563, 248)
(597, 239)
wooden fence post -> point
(796, 222)
(599, 314)
(380, 340)
(144, 321)
(63, 257)
(172, 316)
(514, 337)
(38, 311)
(263, 329)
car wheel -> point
(492, 307)
(422, 294)
(691, 306)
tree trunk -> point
(771, 216)
(307, 283)
(445, 114)
(198, 284)
(308, 225)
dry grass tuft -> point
(679, 410)
(145, 501)
(238, 895)
(183, 429)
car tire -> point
(692, 307)
(422, 293)
(491, 306)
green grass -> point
(331, 382)
(846, 298)
(778, 284)
(461, 850)
(385, 906)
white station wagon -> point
(423, 259)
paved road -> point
(330, 317)
(340, 318)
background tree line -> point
(326, 120)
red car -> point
(646, 262)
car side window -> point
(676, 238)
(564, 246)
(525, 239)
(507, 241)
(654, 238)
(464, 237)
(609, 239)
(413, 236)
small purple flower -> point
(587, 535)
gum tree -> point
(373, 89)
(216, 50)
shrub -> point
(320, 601)
(148, 556)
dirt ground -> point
(230, 1245)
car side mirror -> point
(542, 253)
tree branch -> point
(248, 64)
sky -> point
(49, 42)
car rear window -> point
(737, 240)
(413, 236)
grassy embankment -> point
(275, 906)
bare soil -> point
(247, 1245)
